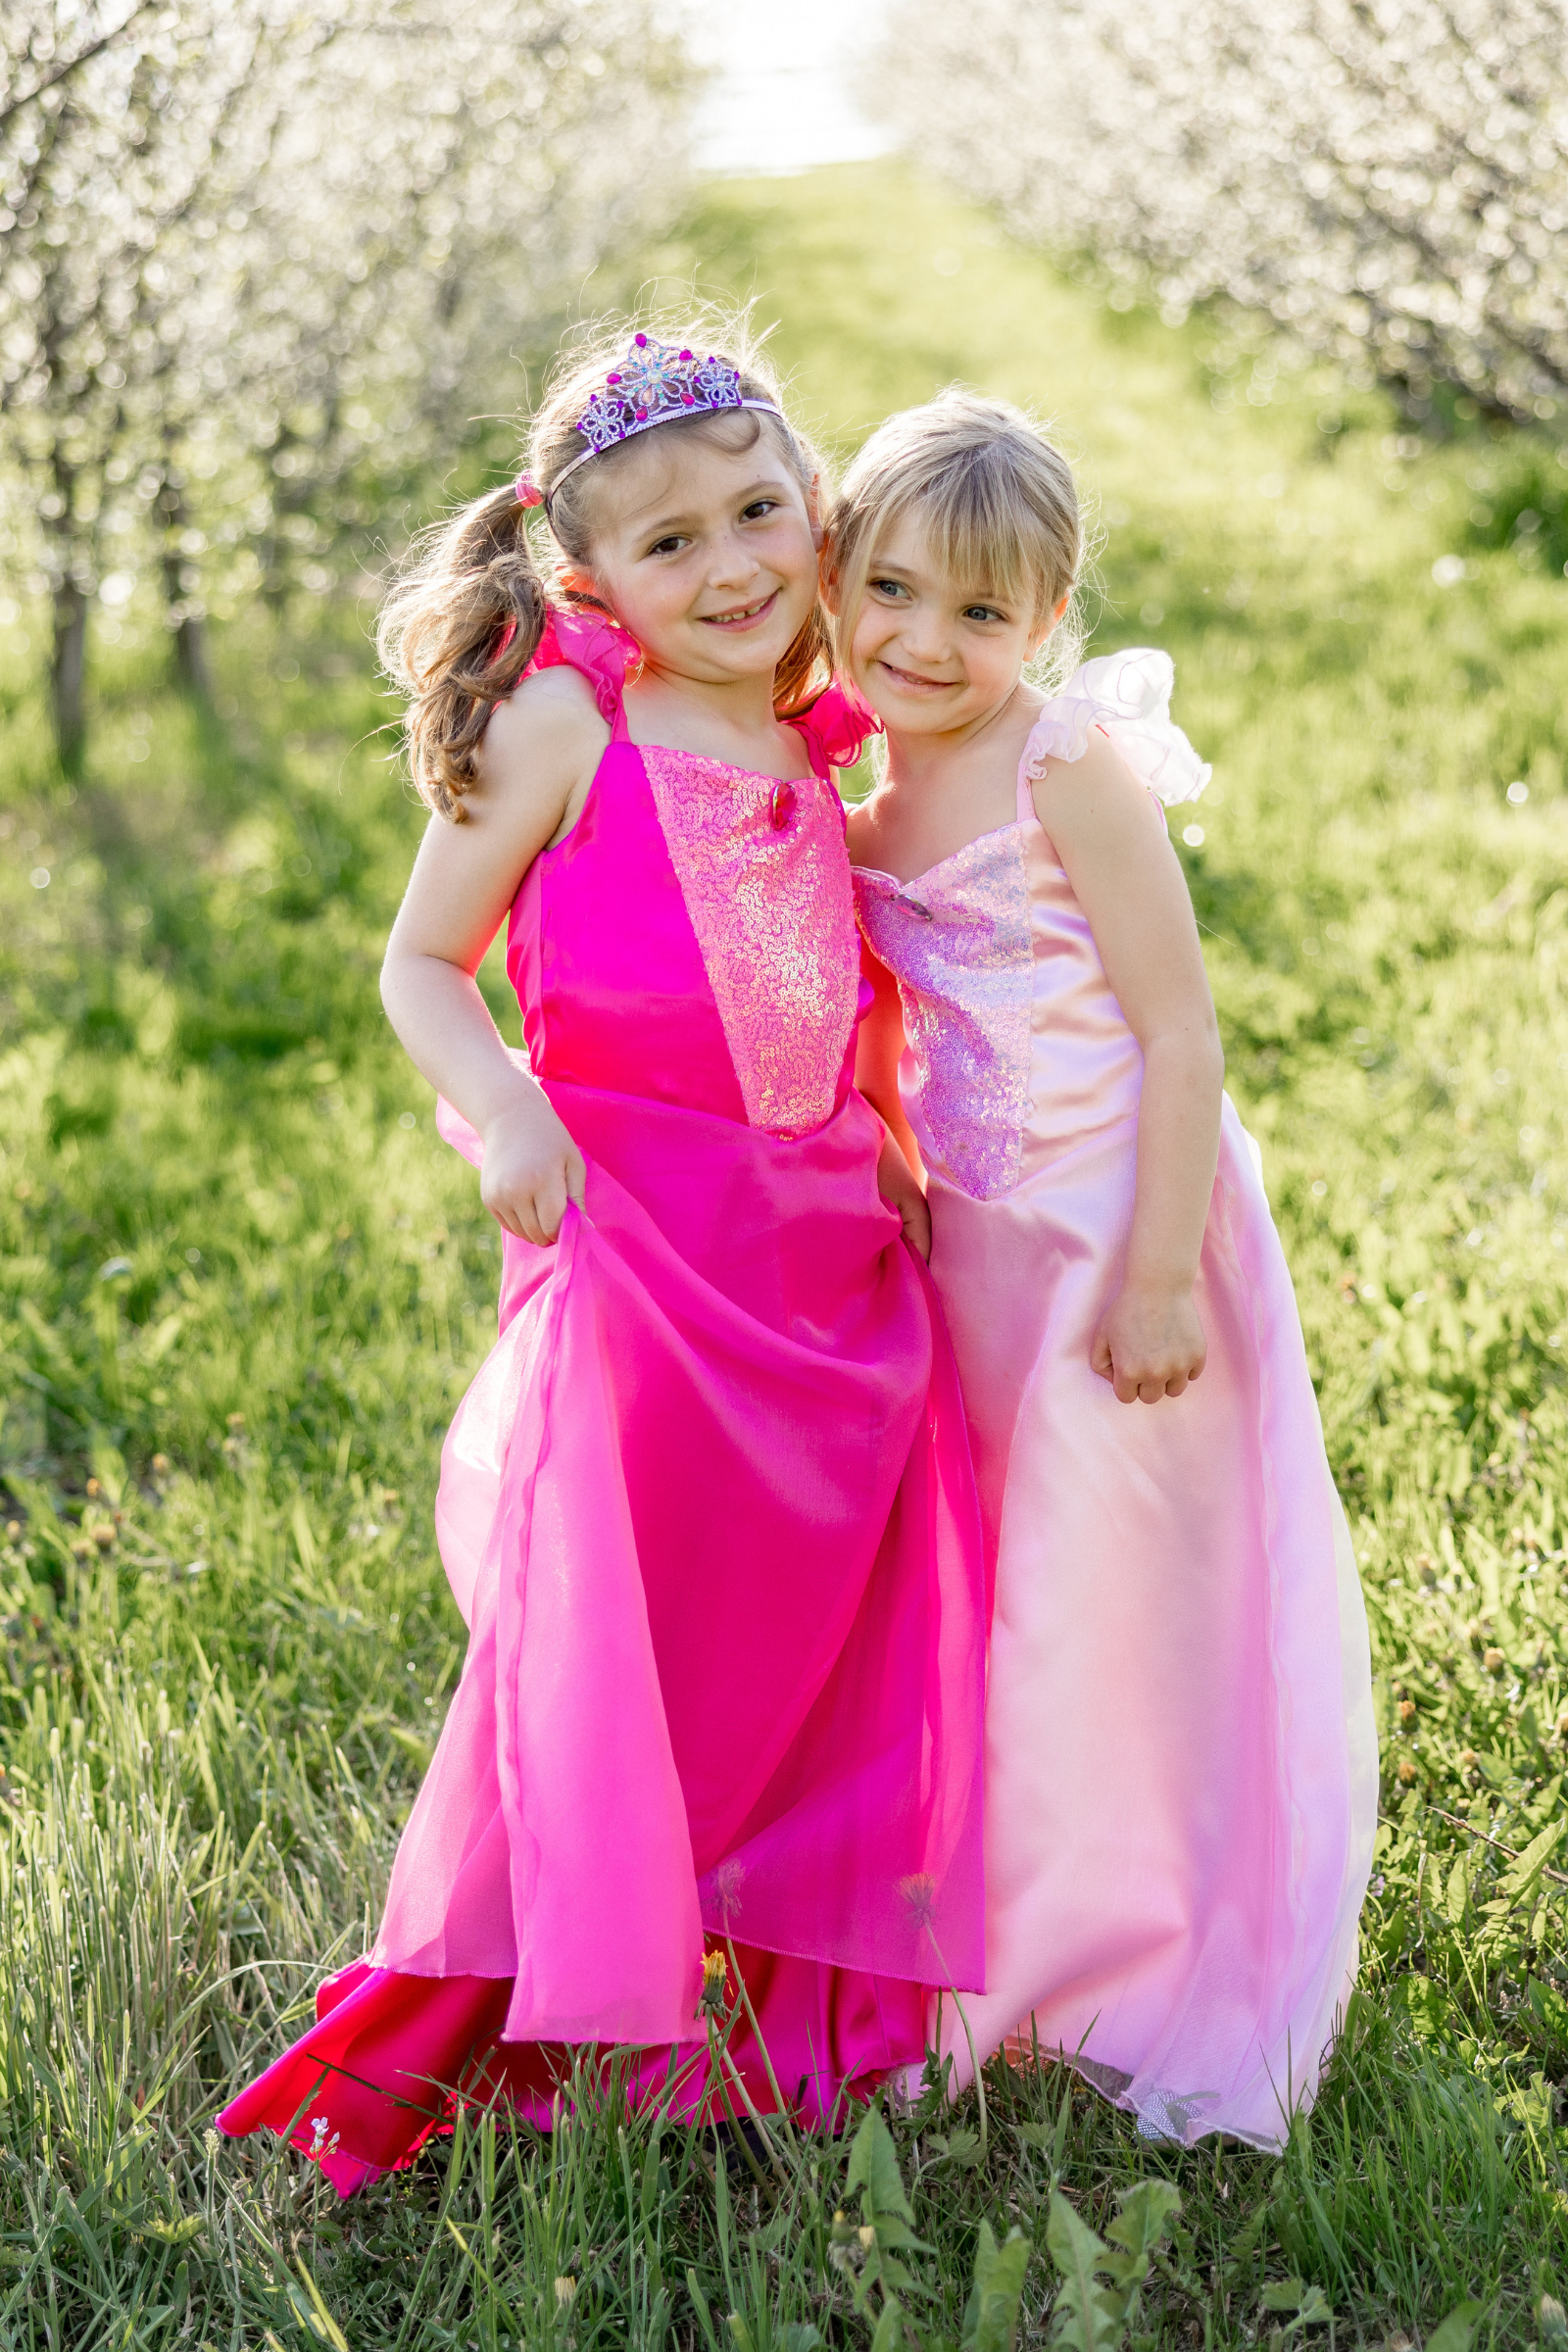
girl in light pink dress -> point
(1181, 1769)
(707, 1508)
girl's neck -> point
(943, 791)
(731, 720)
(920, 762)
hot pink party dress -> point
(707, 1511)
(1180, 1765)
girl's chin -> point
(903, 713)
(762, 646)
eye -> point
(887, 588)
(983, 613)
(668, 545)
(759, 509)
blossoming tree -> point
(1387, 178)
(248, 252)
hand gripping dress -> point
(707, 1512)
(1181, 1766)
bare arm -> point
(879, 1044)
(539, 754)
(1129, 882)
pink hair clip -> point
(527, 492)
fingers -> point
(1100, 1356)
(536, 1213)
(550, 1204)
(1141, 1384)
(917, 1227)
(521, 1220)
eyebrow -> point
(661, 523)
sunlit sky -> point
(783, 97)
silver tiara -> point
(656, 384)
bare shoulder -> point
(1095, 792)
(549, 725)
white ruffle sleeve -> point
(1128, 694)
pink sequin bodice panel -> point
(766, 886)
(1017, 1046)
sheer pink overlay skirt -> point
(707, 1512)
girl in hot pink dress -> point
(1181, 1770)
(707, 1508)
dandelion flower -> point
(920, 1892)
(715, 1978)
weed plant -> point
(243, 1285)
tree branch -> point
(73, 65)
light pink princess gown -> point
(1181, 1764)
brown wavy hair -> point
(442, 635)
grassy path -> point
(242, 1285)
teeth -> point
(744, 614)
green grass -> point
(243, 1285)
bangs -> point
(994, 501)
(977, 531)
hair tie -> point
(527, 492)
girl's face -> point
(932, 654)
(707, 555)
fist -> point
(895, 1181)
(531, 1169)
(1148, 1345)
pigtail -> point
(455, 636)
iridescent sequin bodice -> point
(692, 939)
(1018, 1047)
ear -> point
(827, 576)
(1050, 629)
(813, 509)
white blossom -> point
(259, 266)
(1385, 178)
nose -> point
(733, 563)
(925, 639)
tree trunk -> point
(191, 665)
(186, 621)
(68, 677)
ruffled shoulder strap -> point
(601, 652)
(836, 727)
(1128, 694)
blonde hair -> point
(995, 498)
(443, 632)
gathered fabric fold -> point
(708, 1510)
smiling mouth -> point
(742, 617)
(912, 683)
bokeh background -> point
(1289, 276)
